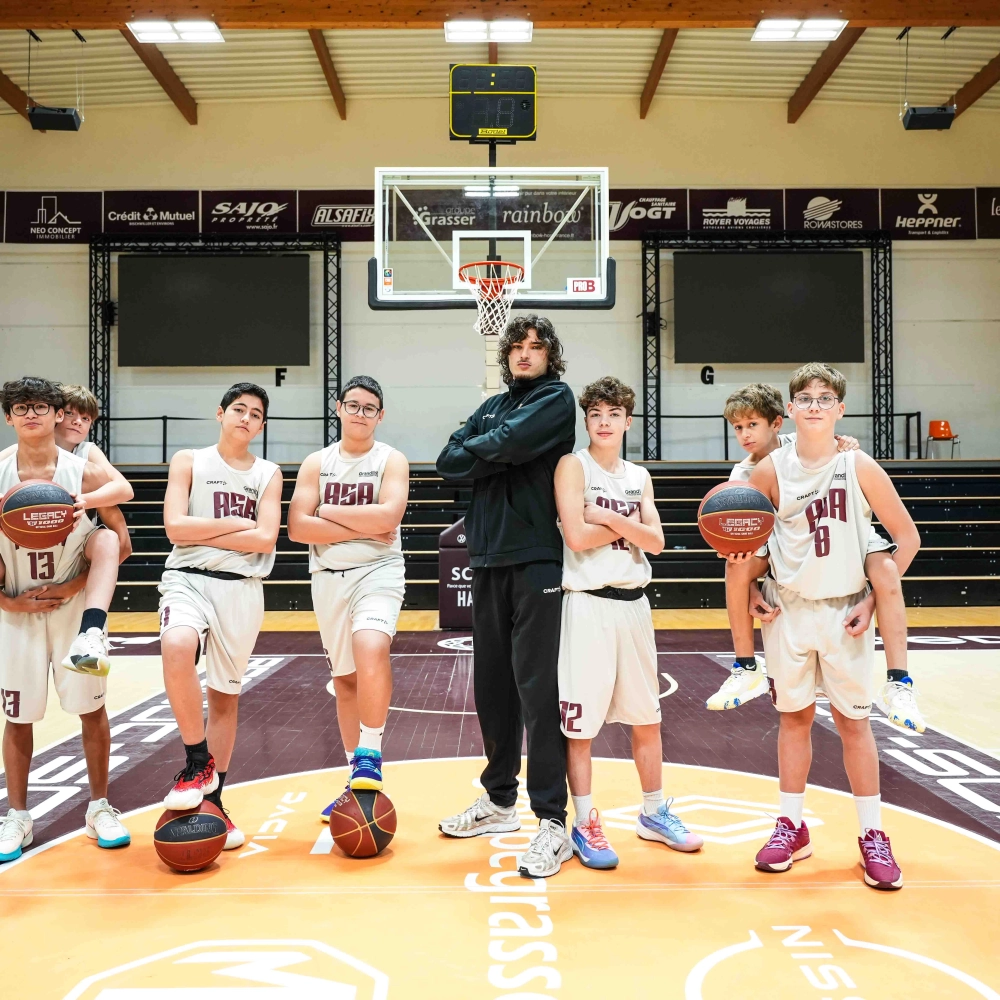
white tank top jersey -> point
(743, 470)
(821, 531)
(82, 450)
(620, 563)
(218, 490)
(30, 568)
(352, 482)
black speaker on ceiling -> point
(926, 119)
(44, 119)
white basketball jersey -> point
(743, 470)
(218, 490)
(822, 526)
(619, 563)
(30, 568)
(82, 450)
(352, 482)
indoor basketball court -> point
(696, 202)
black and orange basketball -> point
(735, 517)
(363, 823)
(188, 840)
(36, 514)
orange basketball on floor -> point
(735, 517)
(363, 823)
(36, 514)
(188, 840)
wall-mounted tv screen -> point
(236, 311)
(751, 308)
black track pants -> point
(515, 621)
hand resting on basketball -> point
(759, 608)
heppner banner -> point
(52, 216)
(163, 212)
(248, 212)
(831, 210)
(929, 213)
(740, 209)
(543, 212)
(348, 214)
(635, 211)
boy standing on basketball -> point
(816, 611)
(755, 412)
(40, 610)
(348, 503)
(607, 647)
(222, 511)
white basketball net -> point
(493, 284)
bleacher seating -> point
(956, 506)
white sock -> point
(651, 802)
(791, 804)
(350, 756)
(94, 804)
(23, 813)
(371, 739)
(582, 804)
(869, 812)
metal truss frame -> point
(879, 245)
(102, 308)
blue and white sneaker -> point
(105, 826)
(15, 833)
(738, 688)
(324, 816)
(591, 846)
(667, 828)
(898, 701)
(366, 770)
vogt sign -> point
(635, 211)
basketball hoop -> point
(493, 284)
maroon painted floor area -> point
(288, 724)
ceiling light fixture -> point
(487, 31)
(168, 32)
(787, 30)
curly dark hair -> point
(610, 390)
(517, 330)
(31, 389)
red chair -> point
(940, 432)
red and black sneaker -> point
(785, 845)
(881, 870)
(192, 784)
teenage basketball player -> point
(607, 647)
(222, 511)
(106, 550)
(40, 611)
(755, 412)
(816, 611)
(348, 503)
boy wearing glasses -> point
(816, 610)
(348, 503)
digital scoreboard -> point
(490, 103)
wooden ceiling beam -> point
(14, 96)
(833, 55)
(329, 71)
(304, 14)
(984, 81)
(164, 74)
(656, 70)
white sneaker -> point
(739, 687)
(234, 835)
(105, 826)
(899, 703)
(481, 818)
(89, 654)
(550, 847)
(15, 833)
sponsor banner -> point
(151, 212)
(248, 212)
(635, 211)
(53, 216)
(737, 209)
(831, 210)
(929, 213)
(542, 211)
(988, 213)
(348, 214)
(3, 203)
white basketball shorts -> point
(807, 647)
(31, 646)
(227, 614)
(347, 601)
(607, 664)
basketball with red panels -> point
(37, 514)
(188, 840)
(363, 823)
(734, 517)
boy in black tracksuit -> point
(509, 447)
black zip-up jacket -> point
(509, 447)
